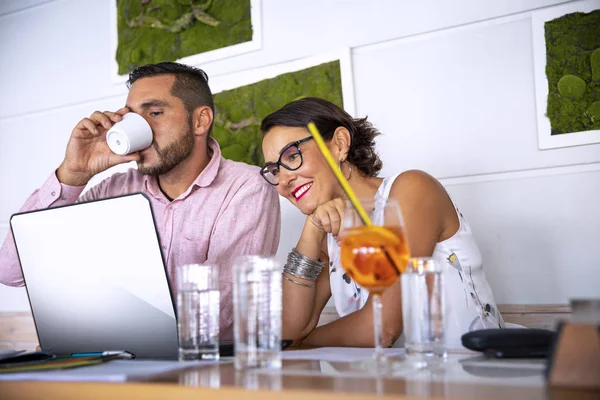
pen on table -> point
(124, 354)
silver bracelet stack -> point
(299, 283)
(303, 267)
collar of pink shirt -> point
(206, 177)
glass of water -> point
(257, 312)
(423, 310)
(198, 311)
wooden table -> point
(465, 377)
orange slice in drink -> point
(367, 252)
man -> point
(206, 208)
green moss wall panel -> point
(151, 31)
(573, 71)
(239, 111)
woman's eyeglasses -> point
(290, 158)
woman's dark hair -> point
(328, 117)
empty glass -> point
(257, 312)
(423, 309)
(198, 312)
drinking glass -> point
(257, 312)
(198, 311)
(374, 256)
(423, 310)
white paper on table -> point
(338, 354)
(110, 371)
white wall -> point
(449, 83)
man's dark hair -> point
(328, 117)
(191, 84)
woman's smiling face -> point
(313, 183)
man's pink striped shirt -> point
(228, 211)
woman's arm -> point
(425, 207)
(310, 311)
(302, 305)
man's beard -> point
(170, 156)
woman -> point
(314, 273)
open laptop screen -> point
(95, 278)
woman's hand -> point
(328, 217)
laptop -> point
(95, 278)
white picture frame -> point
(195, 60)
(344, 55)
(547, 141)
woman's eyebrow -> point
(287, 146)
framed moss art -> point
(566, 45)
(189, 31)
(243, 99)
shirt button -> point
(53, 193)
(63, 198)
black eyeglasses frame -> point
(295, 144)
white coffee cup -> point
(131, 134)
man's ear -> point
(202, 119)
(341, 141)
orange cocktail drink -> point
(374, 256)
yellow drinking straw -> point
(312, 128)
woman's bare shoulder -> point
(415, 183)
